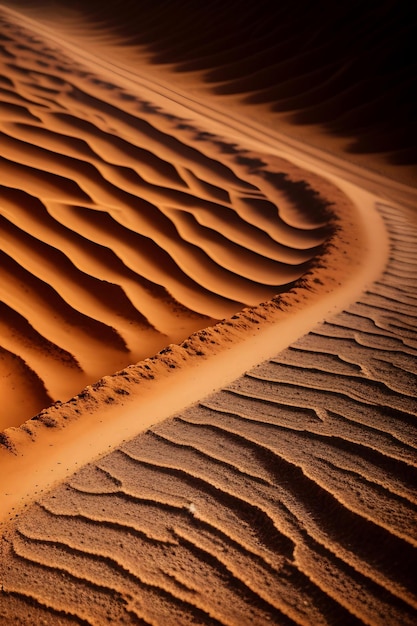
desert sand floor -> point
(192, 256)
(287, 497)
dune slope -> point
(337, 76)
(124, 228)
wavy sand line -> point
(113, 224)
(288, 496)
(274, 495)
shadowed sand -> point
(340, 77)
(183, 252)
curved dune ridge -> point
(287, 497)
(125, 228)
(345, 72)
(152, 251)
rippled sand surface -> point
(208, 339)
(125, 229)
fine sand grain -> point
(208, 341)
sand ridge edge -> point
(269, 500)
(190, 370)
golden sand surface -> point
(207, 346)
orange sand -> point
(154, 231)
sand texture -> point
(208, 338)
(125, 229)
(287, 497)
(342, 77)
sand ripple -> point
(125, 228)
(287, 497)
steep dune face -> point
(124, 228)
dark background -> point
(348, 67)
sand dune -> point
(342, 77)
(122, 233)
(151, 252)
(286, 497)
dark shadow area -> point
(349, 68)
